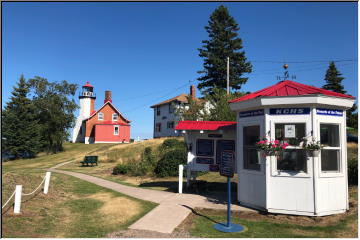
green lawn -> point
(73, 208)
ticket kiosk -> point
(295, 182)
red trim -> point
(289, 88)
(203, 125)
(88, 85)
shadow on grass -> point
(215, 192)
(200, 215)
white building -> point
(165, 118)
(296, 182)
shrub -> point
(169, 163)
(148, 157)
(171, 144)
(353, 171)
(120, 169)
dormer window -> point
(115, 117)
(100, 116)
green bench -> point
(90, 160)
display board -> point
(227, 163)
(222, 145)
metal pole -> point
(229, 202)
(227, 77)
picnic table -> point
(90, 160)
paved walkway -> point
(173, 208)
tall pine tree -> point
(333, 80)
(20, 128)
(223, 42)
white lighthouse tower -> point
(87, 99)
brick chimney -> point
(192, 91)
(107, 97)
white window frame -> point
(102, 116)
(246, 123)
(293, 120)
(332, 121)
(116, 115)
(118, 129)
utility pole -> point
(227, 77)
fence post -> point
(17, 202)
(47, 182)
(181, 173)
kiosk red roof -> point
(289, 88)
(203, 125)
(88, 85)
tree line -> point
(37, 117)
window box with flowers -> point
(267, 147)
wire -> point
(8, 200)
(311, 61)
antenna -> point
(286, 74)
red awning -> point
(289, 88)
(203, 125)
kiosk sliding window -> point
(205, 147)
(251, 134)
(330, 153)
(293, 159)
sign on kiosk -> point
(227, 163)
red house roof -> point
(203, 125)
(289, 88)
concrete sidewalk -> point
(173, 207)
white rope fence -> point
(18, 192)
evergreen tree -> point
(20, 128)
(333, 79)
(223, 42)
(54, 109)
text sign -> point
(227, 163)
(289, 111)
(252, 113)
(289, 131)
(331, 112)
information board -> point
(227, 163)
(222, 145)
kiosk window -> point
(330, 153)
(293, 159)
(251, 134)
(205, 147)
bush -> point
(120, 169)
(171, 144)
(353, 171)
(169, 163)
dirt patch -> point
(117, 209)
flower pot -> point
(314, 153)
(260, 154)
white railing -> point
(18, 192)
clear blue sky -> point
(147, 52)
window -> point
(114, 117)
(171, 108)
(330, 153)
(205, 147)
(158, 127)
(170, 125)
(100, 116)
(116, 130)
(251, 134)
(80, 131)
(294, 158)
(158, 111)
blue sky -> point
(147, 52)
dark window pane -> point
(299, 133)
(292, 160)
(329, 135)
(205, 147)
(251, 135)
(330, 160)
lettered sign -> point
(289, 111)
(227, 163)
